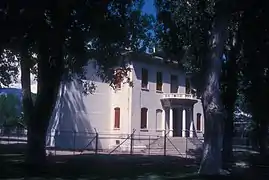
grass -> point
(102, 167)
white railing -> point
(178, 96)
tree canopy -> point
(57, 38)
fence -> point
(13, 135)
(71, 143)
(65, 142)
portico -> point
(178, 115)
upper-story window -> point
(159, 83)
(144, 83)
(173, 84)
(118, 78)
(188, 86)
(144, 118)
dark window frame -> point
(144, 118)
(198, 121)
(159, 81)
(116, 118)
(144, 78)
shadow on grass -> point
(101, 166)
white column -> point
(163, 122)
(191, 123)
(184, 122)
(171, 122)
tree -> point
(195, 32)
(187, 28)
(9, 110)
(229, 85)
(255, 63)
(65, 35)
(211, 99)
(8, 68)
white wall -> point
(151, 99)
(78, 114)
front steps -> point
(175, 146)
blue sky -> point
(149, 7)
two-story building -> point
(160, 101)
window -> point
(159, 119)
(144, 118)
(198, 122)
(118, 78)
(117, 118)
(144, 83)
(173, 84)
(159, 79)
(188, 86)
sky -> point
(149, 7)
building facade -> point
(160, 102)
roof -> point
(153, 58)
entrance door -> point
(176, 123)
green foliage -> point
(8, 68)
(183, 29)
(99, 30)
(9, 110)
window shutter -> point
(117, 118)
(144, 118)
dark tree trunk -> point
(39, 121)
(50, 71)
(213, 109)
(26, 86)
(229, 99)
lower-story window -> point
(144, 118)
(117, 118)
(159, 119)
(198, 121)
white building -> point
(159, 102)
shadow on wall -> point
(70, 127)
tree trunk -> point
(50, 71)
(39, 121)
(26, 87)
(229, 99)
(211, 163)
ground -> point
(108, 167)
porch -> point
(178, 118)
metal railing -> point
(129, 137)
(146, 143)
(179, 95)
(72, 143)
(15, 135)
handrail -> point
(122, 142)
(179, 95)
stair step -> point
(173, 145)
